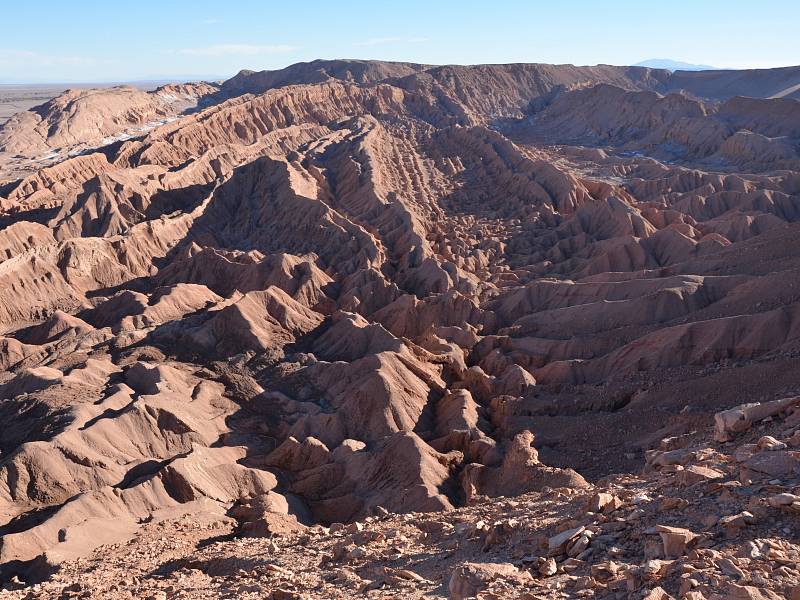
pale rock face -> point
(354, 290)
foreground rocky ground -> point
(705, 519)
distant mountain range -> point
(673, 65)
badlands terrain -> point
(15, 98)
(389, 329)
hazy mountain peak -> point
(673, 65)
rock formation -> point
(299, 301)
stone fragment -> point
(767, 442)
(746, 592)
(738, 521)
(658, 593)
(741, 418)
(470, 578)
(578, 546)
(604, 502)
(780, 500)
(779, 463)
(558, 543)
(675, 540)
(727, 566)
(548, 568)
(661, 458)
(697, 474)
(603, 571)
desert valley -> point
(377, 329)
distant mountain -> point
(672, 65)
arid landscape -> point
(18, 98)
(377, 329)
(15, 98)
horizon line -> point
(197, 78)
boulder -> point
(741, 418)
(697, 474)
(675, 540)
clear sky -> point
(115, 40)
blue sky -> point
(93, 40)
